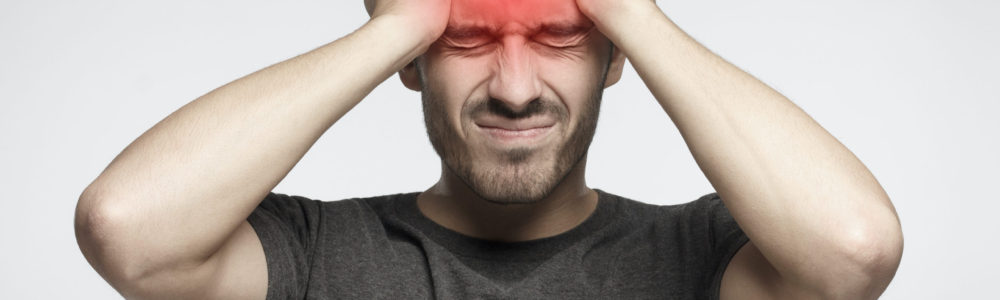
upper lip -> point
(493, 121)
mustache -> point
(535, 107)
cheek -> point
(450, 84)
(570, 83)
(574, 82)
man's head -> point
(511, 94)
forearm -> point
(811, 207)
(178, 191)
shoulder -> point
(305, 238)
(709, 205)
(704, 219)
(280, 202)
(706, 204)
(693, 241)
(307, 213)
(303, 222)
(707, 214)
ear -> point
(615, 67)
(410, 76)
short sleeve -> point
(726, 237)
(287, 227)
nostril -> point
(502, 108)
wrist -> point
(398, 34)
(408, 31)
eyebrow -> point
(563, 28)
(461, 31)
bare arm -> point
(167, 217)
(820, 224)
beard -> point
(514, 175)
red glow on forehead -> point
(515, 15)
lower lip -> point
(517, 136)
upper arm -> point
(240, 267)
(750, 276)
(238, 270)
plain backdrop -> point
(911, 87)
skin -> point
(820, 224)
(494, 70)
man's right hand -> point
(426, 18)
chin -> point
(513, 195)
(518, 180)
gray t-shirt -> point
(384, 248)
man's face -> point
(511, 94)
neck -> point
(451, 204)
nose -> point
(515, 82)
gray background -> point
(909, 86)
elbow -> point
(880, 260)
(91, 223)
(869, 260)
(116, 240)
(101, 233)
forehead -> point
(515, 15)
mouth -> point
(524, 132)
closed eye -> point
(561, 37)
(467, 42)
(559, 41)
(467, 37)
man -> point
(511, 92)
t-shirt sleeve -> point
(726, 237)
(287, 227)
